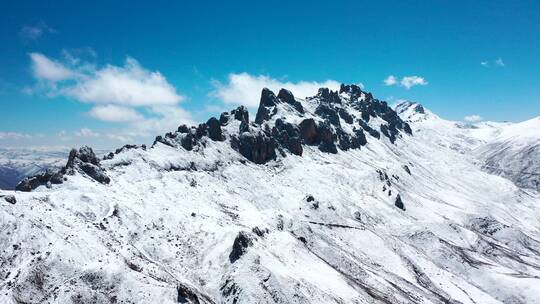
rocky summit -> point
(333, 198)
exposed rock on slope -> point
(84, 160)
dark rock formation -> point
(86, 161)
(258, 148)
(267, 106)
(288, 136)
(241, 114)
(183, 129)
(328, 112)
(186, 295)
(326, 95)
(240, 245)
(321, 134)
(188, 141)
(287, 97)
(83, 160)
(122, 149)
(214, 130)
(369, 129)
(224, 118)
(354, 91)
(327, 138)
(348, 118)
(32, 182)
(10, 199)
(202, 130)
(406, 168)
(244, 127)
(308, 131)
(399, 203)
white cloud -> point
(406, 82)
(410, 81)
(114, 113)
(473, 118)
(245, 89)
(497, 62)
(390, 80)
(34, 32)
(47, 69)
(129, 85)
(85, 132)
(13, 135)
(166, 118)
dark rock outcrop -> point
(326, 95)
(318, 134)
(86, 161)
(32, 182)
(83, 160)
(224, 118)
(267, 106)
(348, 118)
(328, 112)
(10, 199)
(256, 147)
(287, 97)
(399, 203)
(287, 136)
(354, 91)
(327, 138)
(214, 130)
(369, 129)
(122, 149)
(241, 114)
(188, 141)
(240, 245)
(308, 131)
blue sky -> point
(107, 73)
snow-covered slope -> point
(515, 153)
(332, 199)
(511, 150)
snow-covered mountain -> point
(17, 163)
(333, 199)
(511, 150)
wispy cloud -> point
(85, 132)
(390, 80)
(129, 85)
(14, 135)
(114, 113)
(406, 81)
(117, 92)
(245, 89)
(34, 32)
(473, 118)
(499, 62)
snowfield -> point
(209, 226)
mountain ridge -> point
(413, 220)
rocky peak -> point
(404, 106)
(267, 106)
(83, 161)
(354, 91)
(325, 95)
